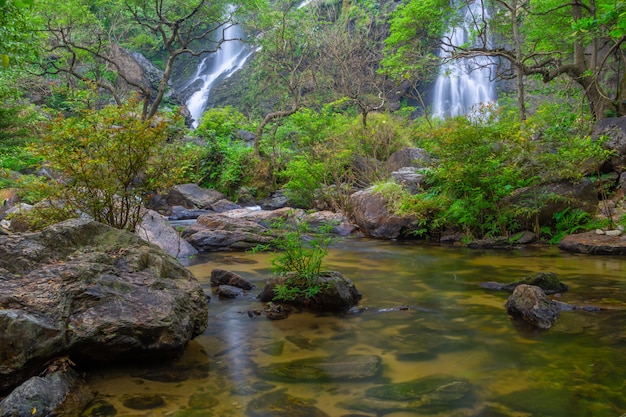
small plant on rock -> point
(299, 259)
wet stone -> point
(144, 402)
(228, 291)
(281, 404)
(99, 408)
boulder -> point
(228, 291)
(556, 197)
(275, 201)
(337, 293)
(592, 243)
(219, 232)
(61, 392)
(224, 205)
(531, 304)
(614, 128)
(340, 225)
(155, 229)
(370, 213)
(182, 213)
(193, 196)
(8, 199)
(409, 178)
(408, 157)
(98, 294)
(245, 197)
(223, 277)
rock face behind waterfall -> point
(97, 294)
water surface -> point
(423, 313)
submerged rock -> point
(547, 281)
(281, 404)
(432, 394)
(223, 277)
(341, 368)
(531, 304)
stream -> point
(424, 314)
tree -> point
(110, 160)
(285, 61)
(84, 39)
(15, 32)
(351, 48)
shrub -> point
(110, 160)
(299, 258)
(227, 161)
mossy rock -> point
(547, 281)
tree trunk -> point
(519, 73)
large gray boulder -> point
(219, 232)
(408, 157)
(155, 228)
(370, 212)
(98, 294)
(193, 196)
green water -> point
(447, 325)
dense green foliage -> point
(227, 160)
(110, 161)
(325, 105)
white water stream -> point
(215, 67)
(463, 84)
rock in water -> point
(280, 404)
(432, 394)
(57, 393)
(531, 304)
(337, 293)
(83, 289)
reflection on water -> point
(447, 326)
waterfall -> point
(215, 67)
(464, 83)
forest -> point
(93, 117)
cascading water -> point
(229, 58)
(463, 83)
